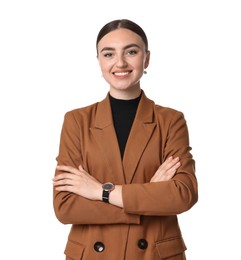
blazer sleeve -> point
(70, 208)
(167, 197)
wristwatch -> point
(107, 188)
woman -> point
(124, 166)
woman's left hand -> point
(167, 170)
(77, 181)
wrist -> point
(107, 188)
(115, 197)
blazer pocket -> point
(170, 247)
(74, 250)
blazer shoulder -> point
(81, 116)
(88, 110)
(167, 111)
(82, 110)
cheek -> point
(140, 66)
(139, 63)
(105, 71)
(104, 66)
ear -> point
(98, 60)
(146, 64)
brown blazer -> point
(147, 227)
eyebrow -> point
(126, 47)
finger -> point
(63, 182)
(166, 164)
(172, 170)
(169, 163)
(173, 162)
(165, 174)
(81, 168)
(64, 188)
(66, 179)
(62, 176)
(66, 168)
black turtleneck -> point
(123, 112)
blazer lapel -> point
(141, 131)
(104, 134)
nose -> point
(121, 62)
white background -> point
(48, 66)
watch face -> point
(108, 186)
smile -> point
(121, 73)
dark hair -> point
(122, 23)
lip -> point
(122, 73)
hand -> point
(77, 181)
(167, 170)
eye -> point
(132, 52)
(108, 55)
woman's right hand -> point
(167, 170)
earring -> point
(145, 72)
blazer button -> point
(142, 244)
(99, 247)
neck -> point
(124, 94)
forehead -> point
(119, 38)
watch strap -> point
(105, 196)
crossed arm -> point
(80, 182)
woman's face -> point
(122, 58)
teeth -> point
(121, 73)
